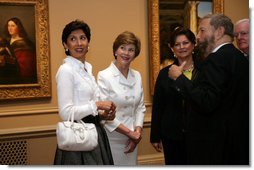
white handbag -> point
(76, 136)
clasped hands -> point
(106, 110)
(134, 139)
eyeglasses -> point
(242, 34)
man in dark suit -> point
(218, 125)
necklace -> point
(188, 72)
(189, 69)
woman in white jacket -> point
(78, 94)
(123, 85)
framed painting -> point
(24, 50)
(157, 12)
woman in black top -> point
(169, 112)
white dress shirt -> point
(76, 89)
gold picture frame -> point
(35, 14)
(154, 39)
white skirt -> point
(118, 143)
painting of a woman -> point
(22, 48)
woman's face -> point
(183, 47)
(125, 54)
(12, 28)
(77, 44)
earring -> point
(116, 55)
(66, 49)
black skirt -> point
(101, 155)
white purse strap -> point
(70, 121)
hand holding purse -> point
(76, 136)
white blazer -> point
(127, 94)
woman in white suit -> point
(123, 85)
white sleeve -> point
(140, 110)
(65, 94)
(104, 87)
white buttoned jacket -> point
(127, 94)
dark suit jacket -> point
(168, 111)
(220, 106)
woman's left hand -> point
(107, 110)
(106, 105)
(130, 146)
(107, 115)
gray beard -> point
(206, 47)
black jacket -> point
(220, 103)
(169, 108)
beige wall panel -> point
(45, 148)
(236, 9)
(29, 120)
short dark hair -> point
(181, 31)
(75, 25)
(127, 38)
